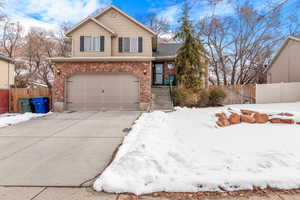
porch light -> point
(145, 72)
(58, 72)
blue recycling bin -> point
(41, 104)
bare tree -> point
(11, 36)
(157, 24)
(64, 43)
(241, 45)
(39, 46)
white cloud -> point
(170, 14)
(51, 13)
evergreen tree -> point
(191, 57)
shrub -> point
(216, 96)
(190, 97)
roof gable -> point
(297, 39)
(126, 16)
(88, 19)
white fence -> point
(278, 92)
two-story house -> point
(115, 61)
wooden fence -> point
(17, 93)
(238, 94)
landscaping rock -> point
(248, 112)
(287, 121)
(275, 120)
(234, 118)
(221, 115)
(223, 122)
(261, 118)
(247, 119)
(286, 114)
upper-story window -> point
(92, 43)
(132, 45)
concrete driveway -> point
(62, 149)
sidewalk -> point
(55, 193)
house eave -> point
(280, 50)
(101, 59)
(7, 59)
(164, 58)
(68, 33)
(127, 16)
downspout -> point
(8, 85)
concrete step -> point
(161, 99)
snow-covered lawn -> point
(10, 119)
(183, 151)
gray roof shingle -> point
(167, 49)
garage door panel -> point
(102, 91)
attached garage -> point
(98, 91)
(102, 84)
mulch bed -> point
(214, 195)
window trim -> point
(92, 45)
(123, 41)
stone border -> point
(231, 117)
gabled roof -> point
(295, 38)
(93, 20)
(125, 15)
(167, 49)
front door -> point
(158, 74)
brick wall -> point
(65, 70)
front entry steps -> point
(161, 99)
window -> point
(132, 45)
(89, 43)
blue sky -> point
(49, 14)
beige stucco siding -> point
(90, 29)
(7, 74)
(286, 67)
(125, 28)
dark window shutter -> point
(140, 44)
(81, 43)
(120, 44)
(102, 41)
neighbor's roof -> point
(295, 38)
(125, 15)
(6, 58)
(167, 49)
(93, 20)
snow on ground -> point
(10, 119)
(183, 151)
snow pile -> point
(183, 151)
(10, 119)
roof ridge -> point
(95, 21)
(126, 15)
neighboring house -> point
(285, 67)
(7, 78)
(115, 62)
(7, 72)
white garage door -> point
(102, 91)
